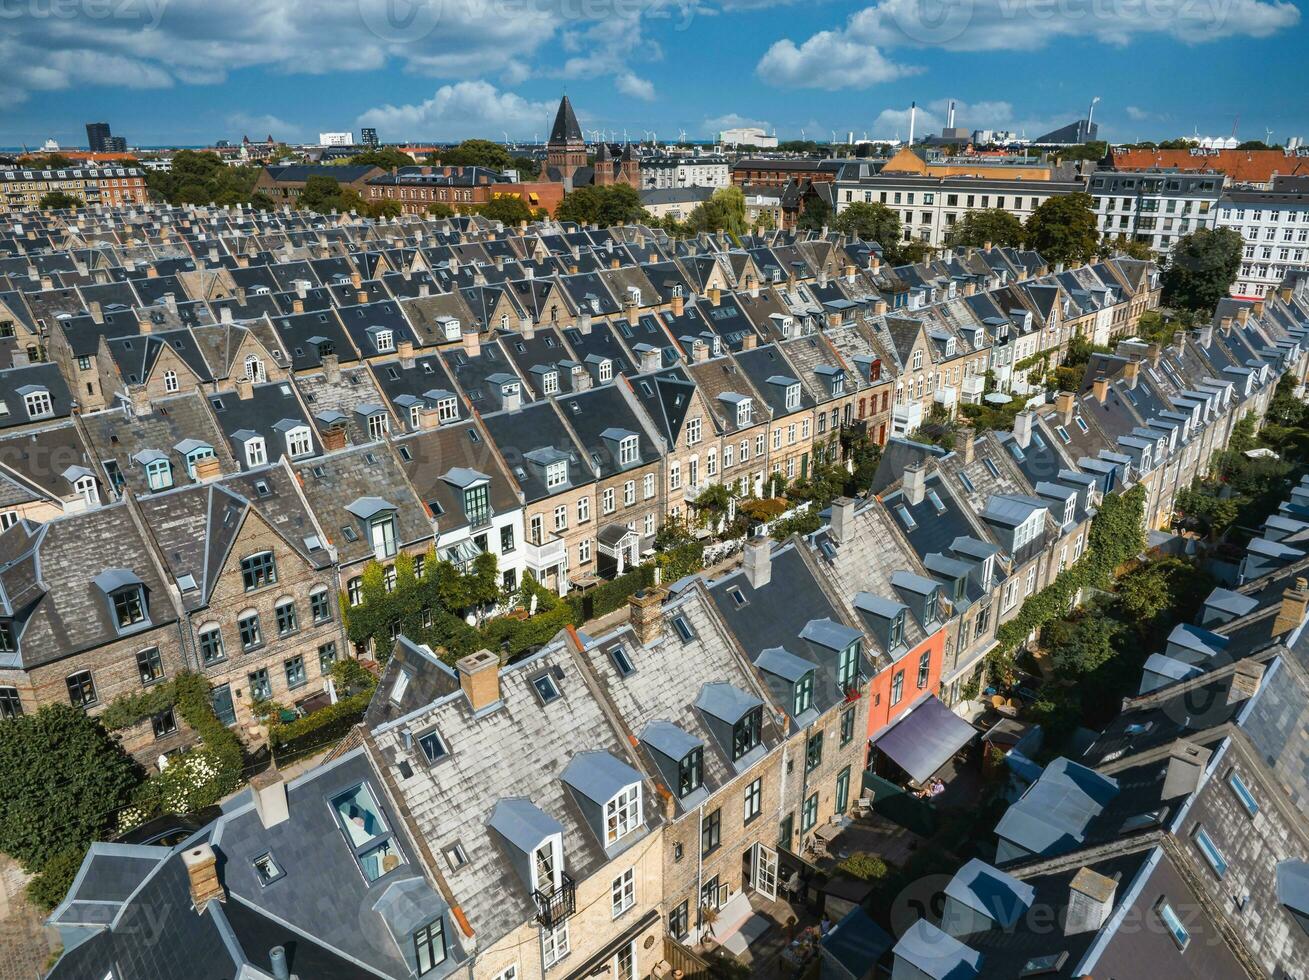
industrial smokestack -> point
(913, 115)
(950, 120)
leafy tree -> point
(527, 167)
(1131, 247)
(439, 210)
(385, 157)
(616, 204)
(52, 882)
(1094, 150)
(511, 210)
(907, 253)
(798, 146)
(1203, 267)
(870, 221)
(724, 211)
(1255, 145)
(64, 780)
(201, 177)
(56, 200)
(320, 194)
(1063, 229)
(994, 225)
(50, 161)
(262, 201)
(477, 153)
(816, 216)
(1083, 644)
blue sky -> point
(192, 71)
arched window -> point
(254, 369)
(170, 381)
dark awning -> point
(599, 961)
(922, 741)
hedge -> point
(295, 739)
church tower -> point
(565, 154)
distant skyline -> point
(189, 72)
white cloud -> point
(862, 51)
(637, 88)
(1137, 114)
(830, 60)
(462, 110)
(733, 120)
(258, 126)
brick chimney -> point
(1242, 315)
(332, 368)
(1100, 388)
(1246, 679)
(645, 611)
(404, 350)
(472, 343)
(678, 304)
(1065, 404)
(964, 438)
(207, 468)
(245, 389)
(750, 341)
(1132, 373)
(479, 677)
(202, 872)
(297, 305)
(879, 308)
(1186, 761)
(715, 295)
(1291, 612)
(1023, 423)
(333, 439)
(758, 562)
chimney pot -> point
(472, 343)
(645, 611)
(1291, 612)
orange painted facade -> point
(882, 688)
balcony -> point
(553, 907)
(544, 557)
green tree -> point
(527, 167)
(724, 211)
(439, 210)
(477, 153)
(201, 177)
(262, 201)
(1083, 644)
(816, 216)
(50, 161)
(65, 779)
(870, 221)
(510, 210)
(1063, 229)
(616, 204)
(385, 157)
(320, 194)
(994, 225)
(56, 200)
(1202, 269)
(1131, 247)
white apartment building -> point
(336, 139)
(1275, 226)
(930, 206)
(747, 136)
(664, 172)
(1154, 206)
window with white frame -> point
(627, 451)
(256, 453)
(743, 410)
(159, 474)
(447, 409)
(792, 397)
(629, 493)
(561, 517)
(607, 500)
(556, 474)
(606, 371)
(298, 442)
(583, 510)
(584, 551)
(623, 814)
(694, 431)
(170, 381)
(554, 944)
(648, 486)
(550, 383)
(623, 892)
(674, 475)
(38, 404)
(379, 424)
(384, 340)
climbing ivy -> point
(1115, 538)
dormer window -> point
(690, 772)
(384, 341)
(606, 370)
(804, 695)
(447, 409)
(453, 329)
(429, 946)
(847, 668)
(159, 474)
(747, 733)
(556, 475)
(381, 532)
(792, 397)
(838, 384)
(930, 608)
(298, 442)
(379, 424)
(623, 814)
(546, 866)
(254, 369)
(744, 408)
(895, 632)
(256, 453)
(38, 404)
(477, 505)
(550, 383)
(1068, 509)
(129, 607)
(627, 451)
(195, 455)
